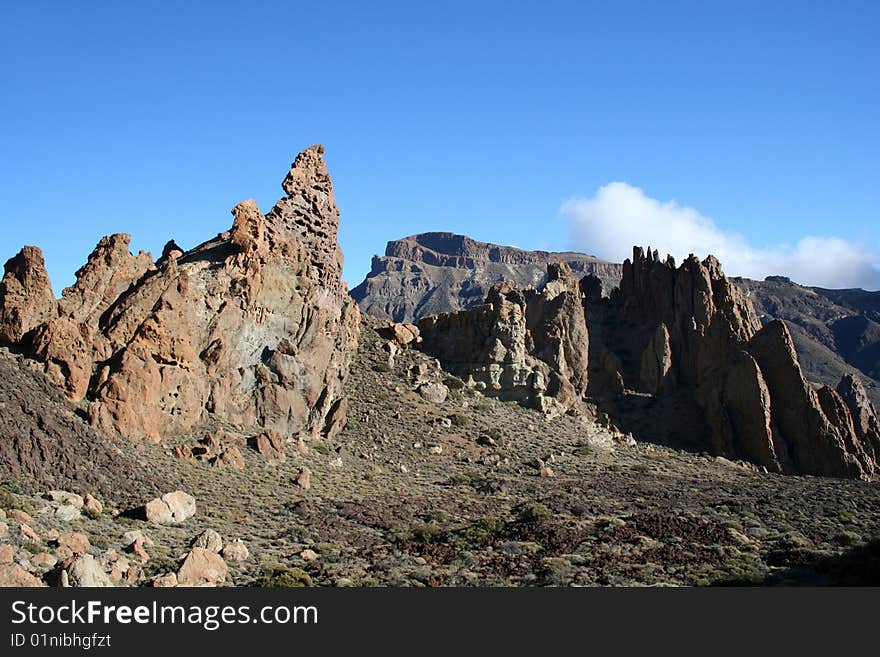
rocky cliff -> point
(521, 345)
(834, 331)
(253, 327)
(674, 354)
(432, 273)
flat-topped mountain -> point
(429, 273)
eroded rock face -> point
(712, 374)
(26, 298)
(525, 346)
(816, 428)
(864, 414)
(253, 327)
(675, 354)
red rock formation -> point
(253, 327)
(26, 298)
(71, 343)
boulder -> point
(270, 445)
(86, 572)
(235, 550)
(13, 575)
(210, 540)
(304, 478)
(70, 544)
(402, 334)
(230, 457)
(436, 393)
(170, 509)
(202, 567)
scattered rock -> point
(130, 537)
(7, 553)
(436, 393)
(28, 533)
(17, 514)
(231, 457)
(66, 513)
(85, 571)
(304, 478)
(138, 550)
(271, 445)
(44, 560)
(62, 497)
(209, 540)
(13, 575)
(402, 334)
(308, 555)
(171, 509)
(70, 544)
(202, 567)
(168, 580)
(93, 504)
(235, 550)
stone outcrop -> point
(836, 332)
(253, 327)
(433, 273)
(866, 422)
(26, 298)
(689, 339)
(675, 354)
(521, 345)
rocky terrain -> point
(431, 273)
(675, 355)
(468, 491)
(835, 332)
(225, 416)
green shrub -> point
(279, 576)
(533, 513)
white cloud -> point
(620, 216)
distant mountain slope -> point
(835, 331)
(430, 273)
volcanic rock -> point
(85, 571)
(202, 567)
(270, 445)
(13, 575)
(525, 346)
(253, 327)
(171, 509)
(26, 298)
(210, 540)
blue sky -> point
(743, 127)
